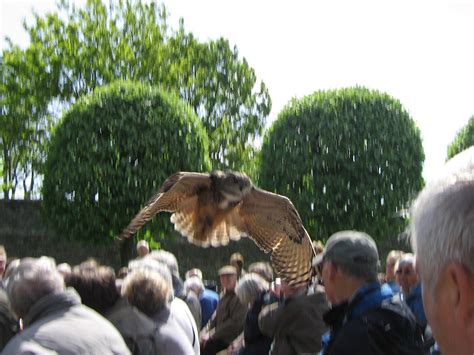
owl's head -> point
(232, 185)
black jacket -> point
(256, 343)
(387, 328)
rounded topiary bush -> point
(348, 159)
(111, 151)
(463, 140)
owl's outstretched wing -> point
(177, 194)
(273, 223)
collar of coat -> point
(51, 304)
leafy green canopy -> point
(24, 121)
(78, 49)
(112, 150)
(463, 140)
(350, 158)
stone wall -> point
(24, 233)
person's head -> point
(250, 287)
(407, 273)
(96, 286)
(237, 261)
(228, 278)
(122, 273)
(89, 263)
(318, 246)
(193, 272)
(3, 260)
(147, 290)
(350, 260)
(142, 248)
(153, 265)
(167, 258)
(392, 259)
(64, 269)
(263, 269)
(194, 284)
(31, 280)
(442, 236)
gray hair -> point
(194, 283)
(167, 258)
(31, 280)
(442, 228)
(147, 290)
(263, 269)
(249, 288)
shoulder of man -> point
(393, 327)
(387, 329)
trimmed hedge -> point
(348, 159)
(110, 152)
(463, 140)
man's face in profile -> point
(3, 263)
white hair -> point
(442, 228)
(193, 272)
(249, 287)
(31, 280)
(406, 259)
(194, 283)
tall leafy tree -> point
(111, 151)
(463, 140)
(83, 48)
(349, 159)
(25, 119)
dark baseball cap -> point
(350, 248)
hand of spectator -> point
(275, 287)
(203, 339)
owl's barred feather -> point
(211, 209)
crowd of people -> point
(422, 304)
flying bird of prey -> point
(211, 209)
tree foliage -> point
(24, 119)
(348, 159)
(463, 140)
(75, 50)
(111, 151)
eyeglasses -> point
(404, 271)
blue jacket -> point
(394, 286)
(415, 302)
(209, 300)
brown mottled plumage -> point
(211, 209)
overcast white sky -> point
(420, 52)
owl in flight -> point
(211, 209)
